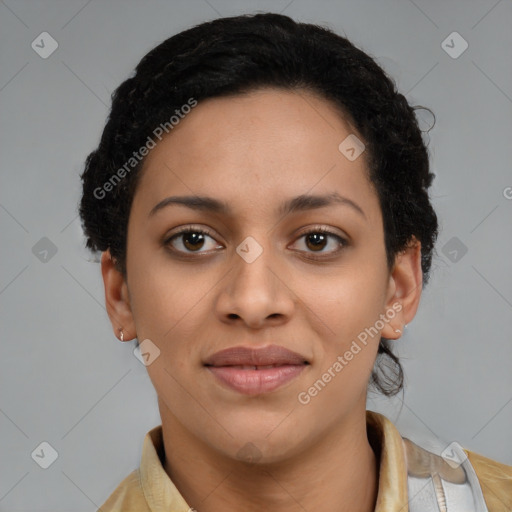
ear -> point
(117, 299)
(404, 289)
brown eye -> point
(190, 240)
(316, 240)
(193, 241)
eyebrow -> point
(300, 203)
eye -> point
(190, 240)
(318, 238)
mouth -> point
(252, 367)
(254, 371)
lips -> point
(253, 371)
(272, 355)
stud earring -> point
(398, 330)
(121, 335)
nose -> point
(255, 293)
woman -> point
(260, 196)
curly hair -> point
(234, 55)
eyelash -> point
(191, 229)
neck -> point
(339, 473)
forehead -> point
(256, 149)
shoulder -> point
(495, 480)
(127, 497)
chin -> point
(261, 452)
(259, 444)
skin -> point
(254, 151)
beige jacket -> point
(149, 488)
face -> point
(309, 279)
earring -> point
(398, 330)
(121, 335)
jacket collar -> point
(162, 495)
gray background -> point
(68, 381)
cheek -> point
(346, 301)
(163, 297)
(166, 308)
(348, 306)
(348, 346)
